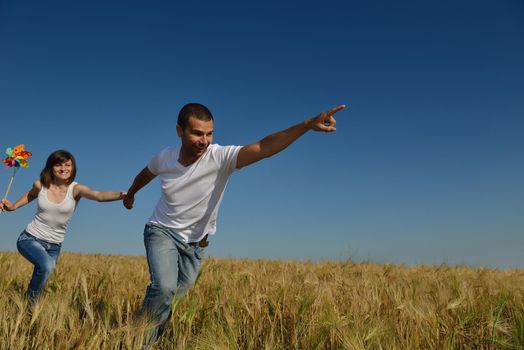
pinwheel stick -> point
(10, 183)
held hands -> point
(129, 200)
(324, 121)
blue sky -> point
(426, 166)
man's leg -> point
(189, 264)
(162, 259)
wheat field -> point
(91, 303)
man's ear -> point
(179, 131)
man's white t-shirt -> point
(191, 195)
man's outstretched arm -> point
(274, 143)
(142, 179)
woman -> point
(58, 195)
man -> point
(192, 180)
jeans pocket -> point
(148, 230)
(24, 236)
(200, 252)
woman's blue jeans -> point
(173, 266)
(43, 255)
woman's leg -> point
(43, 256)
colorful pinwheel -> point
(16, 157)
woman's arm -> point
(100, 196)
(26, 198)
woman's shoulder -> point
(75, 186)
(74, 190)
(37, 185)
(36, 189)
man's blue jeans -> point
(43, 255)
(173, 266)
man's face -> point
(196, 137)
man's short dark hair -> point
(196, 110)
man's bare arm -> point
(142, 179)
(277, 142)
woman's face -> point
(62, 171)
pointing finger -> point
(336, 109)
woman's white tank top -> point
(51, 219)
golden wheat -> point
(91, 303)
